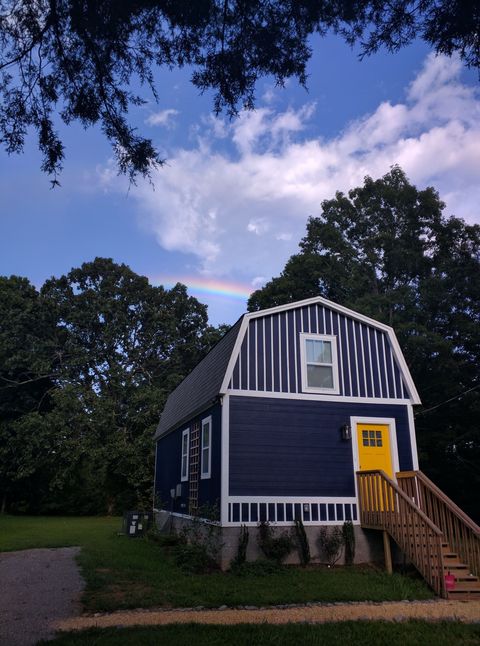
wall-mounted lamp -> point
(346, 432)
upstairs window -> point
(185, 454)
(319, 363)
(206, 460)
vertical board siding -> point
(269, 356)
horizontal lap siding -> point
(269, 358)
(293, 448)
(168, 465)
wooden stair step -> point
(462, 588)
(467, 578)
(455, 565)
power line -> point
(428, 410)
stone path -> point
(37, 588)
(311, 613)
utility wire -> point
(428, 410)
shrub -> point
(302, 541)
(274, 547)
(207, 535)
(194, 559)
(165, 540)
(331, 543)
(349, 541)
(241, 555)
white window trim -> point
(207, 474)
(319, 337)
(184, 478)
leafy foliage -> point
(241, 555)
(302, 541)
(77, 61)
(193, 558)
(276, 548)
(86, 365)
(330, 540)
(348, 532)
(387, 250)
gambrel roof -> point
(261, 355)
(199, 388)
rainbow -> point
(208, 286)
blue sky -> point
(231, 204)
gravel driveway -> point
(37, 589)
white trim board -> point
(267, 394)
(345, 500)
(413, 438)
(225, 459)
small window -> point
(319, 363)
(206, 460)
(185, 453)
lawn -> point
(128, 573)
(360, 633)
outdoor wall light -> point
(346, 432)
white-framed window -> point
(206, 448)
(319, 363)
(185, 454)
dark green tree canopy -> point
(76, 59)
(85, 368)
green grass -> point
(413, 633)
(128, 573)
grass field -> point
(128, 573)
(414, 633)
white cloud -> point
(209, 204)
(258, 281)
(259, 226)
(163, 118)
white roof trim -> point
(234, 355)
(414, 397)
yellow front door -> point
(374, 448)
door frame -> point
(392, 432)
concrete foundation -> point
(368, 543)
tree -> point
(85, 368)
(387, 250)
(126, 345)
(70, 60)
(27, 363)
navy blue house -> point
(274, 422)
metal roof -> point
(200, 387)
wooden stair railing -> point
(460, 532)
(385, 506)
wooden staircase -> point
(467, 585)
(435, 534)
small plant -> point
(349, 541)
(165, 540)
(331, 543)
(241, 555)
(302, 540)
(194, 559)
(274, 547)
(203, 530)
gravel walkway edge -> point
(468, 612)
